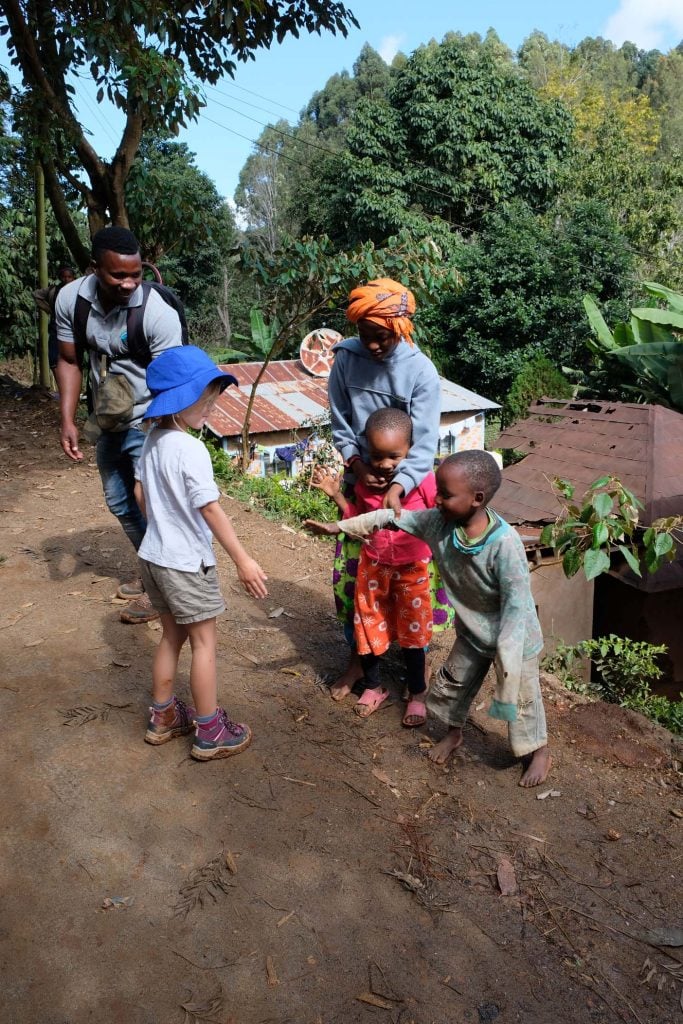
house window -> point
(446, 445)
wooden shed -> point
(580, 441)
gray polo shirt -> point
(106, 332)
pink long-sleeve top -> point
(393, 547)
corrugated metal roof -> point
(642, 445)
(288, 396)
(457, 399)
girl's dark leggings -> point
(414, 658)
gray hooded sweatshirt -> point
(406, 379)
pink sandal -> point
(370, 701)
(415, 709)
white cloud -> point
(389, 47)
(647, 23)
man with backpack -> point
(121, 324)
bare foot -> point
(536, 767)
(339, 692)
(352, 674)
(440, 753)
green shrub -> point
(284, 499)
(626, 669)
(538, 378)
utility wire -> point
(324, 149)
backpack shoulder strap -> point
(80, 323)
(138, 347)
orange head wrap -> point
(384, 302)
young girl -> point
(392, 592)
(179, 498)
(484, 568)
(380, 368)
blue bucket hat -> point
(177, 378)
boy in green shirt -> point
(484, 570)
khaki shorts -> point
(187, 596)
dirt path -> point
(264, 889)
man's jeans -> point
(117, 456)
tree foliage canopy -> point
(149, 60)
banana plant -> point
(650, 344)
(259, 344)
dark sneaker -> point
(131, 590)
(176, 720)
(139, 611)
(222, 740)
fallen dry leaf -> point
(290, 671)
(276, 613)
(285, 919)
(507, 879)
(612, 834)
(120, 663)
(34, 643)
(230, 863)
(372, 1000)
(248, 657)
(381, 776)
(270, 972)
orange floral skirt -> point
(392, 602)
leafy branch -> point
(605, 519)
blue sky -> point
(281, 80)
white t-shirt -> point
(177, 477)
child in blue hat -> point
(179, 498)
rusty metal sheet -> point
(288, 396)
(642, 445)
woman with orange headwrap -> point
(381, 367)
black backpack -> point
(137, 344)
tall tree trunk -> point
(41, 248)
(63, 216)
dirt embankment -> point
(329, 874)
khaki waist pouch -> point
(113, 407)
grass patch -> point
(280, 498)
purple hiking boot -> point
(220, 738)
(176, 720)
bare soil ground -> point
(330, 873)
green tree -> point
(149, 60)
(173, 207)
(618, 157)
(261, 196)
(665, 89)
(539, 378)
(18, 274)
(460, 131)
(523, 286)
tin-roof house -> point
(580, 441)
(291, 400)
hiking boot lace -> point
(232, 727)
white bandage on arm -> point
(364, 525)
